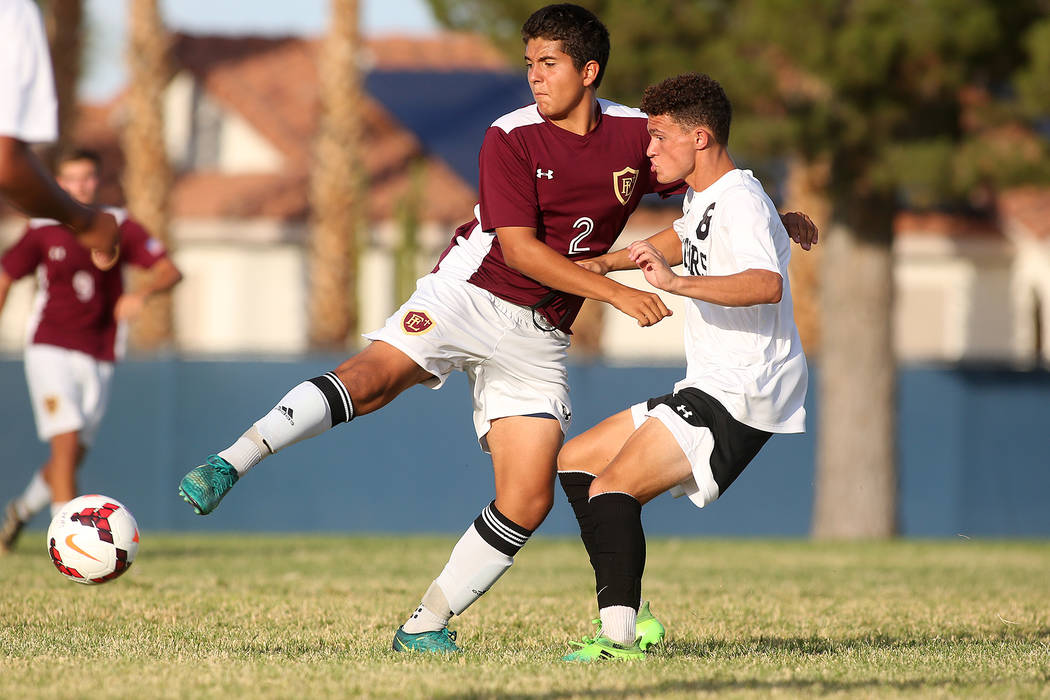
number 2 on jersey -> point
(585, 223)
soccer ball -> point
(93, 539)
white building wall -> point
(243, 151)
(245, 291)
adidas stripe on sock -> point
(500, 531)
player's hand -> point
(801, 229)
(102, 235)
(594, 265)
(128, 306)
(653, 264)
(646, 308)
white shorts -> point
(718, 446)
(514, 368)
(69, 391)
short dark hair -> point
(692, 100)
(78, 153)
(582, 35)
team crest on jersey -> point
(51, 405)
(416, 323)
(623, 183)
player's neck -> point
(582, 118)
(710, 166)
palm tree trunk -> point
(147, 174)
(335, 184)
(64, 20)
(856, 489)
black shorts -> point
(718, 446)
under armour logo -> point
(549, 174)
(683, 410)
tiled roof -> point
(1027, 209)
(940, 224)
(272, 83)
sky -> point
(104, 73)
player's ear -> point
(590, 73)
(701, 139)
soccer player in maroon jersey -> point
(558, 181)
(74, 334)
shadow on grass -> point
(874, 685)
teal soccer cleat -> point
(440, 642)
(649, 630)
(205, 486)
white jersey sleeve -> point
(28, 108)
(753, 232)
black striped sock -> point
(501, 532)
(337, 396)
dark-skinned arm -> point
(26, 184)
(533, 258)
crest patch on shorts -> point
(416, 323)
(51, 404)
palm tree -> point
(64, 20)
(147, 174)
(336, 184)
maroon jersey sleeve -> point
(23, 257)
(507, 186)
(139, 248)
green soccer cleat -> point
(440, 642)
(604, 648)
(649, 630)
(205, 486)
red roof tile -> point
(1028, 208)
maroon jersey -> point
(75, 300)
(576, 191)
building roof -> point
(427, 98)
(1026, 210)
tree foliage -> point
(929, 99)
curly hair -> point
(582, 35)
(691, 100)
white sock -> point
(248, 451)
(57, 506)
(471, 570)
(432, 614)
(306, 411)
(35, 497)
(618, 623)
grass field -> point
(313, 617)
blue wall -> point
(973, 454)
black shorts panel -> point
(736, 444)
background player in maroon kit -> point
(74, 335)
(558, 181)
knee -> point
(527, 510)
(571, 455)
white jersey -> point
(748, 358)
(28, 108)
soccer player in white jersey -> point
(746, 375)
(28, 115)
(558, 181)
